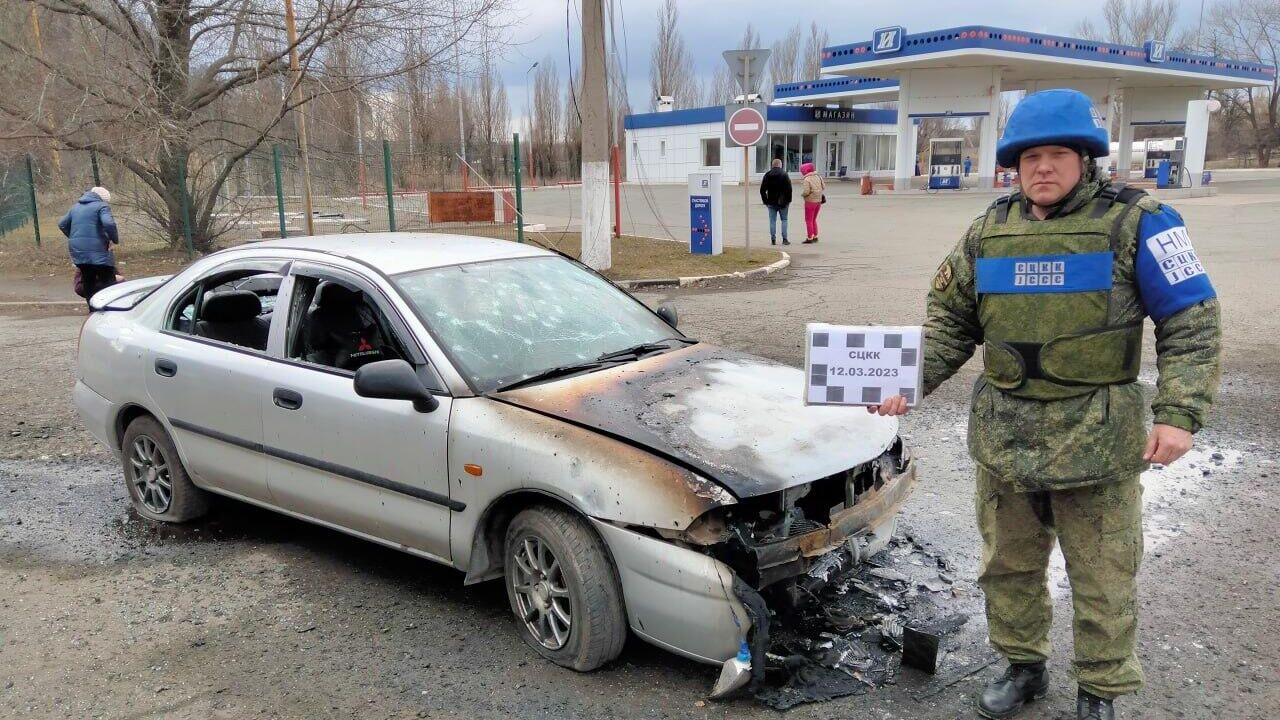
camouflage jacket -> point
(1097, 436)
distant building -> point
(664, 147)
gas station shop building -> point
(957, 72)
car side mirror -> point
(394, 380)
(669, 315)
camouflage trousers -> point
(1099, 528)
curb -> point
(700, 279)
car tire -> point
(571, 571)
(157, 482)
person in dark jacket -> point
(775, 193)
(91, 231)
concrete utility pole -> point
(457, 81)
(746, 178)
(292, 29)
(597, 251)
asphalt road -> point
(252, 615)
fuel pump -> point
(1161, 149)
(945, 163)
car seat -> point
(342, 330)
(234, 317)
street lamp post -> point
(528, 113)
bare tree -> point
(162, 86)
(722, 88)
(782, 61)
(547, 127)
(492, 113)
(1133, 22)
(1249, 30)
(812, 59)
(670, 64)
(572, 141)
(619, 103)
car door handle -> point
(287, 399)
(166, 368)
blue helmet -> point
(1053, 117)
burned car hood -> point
(736, 418)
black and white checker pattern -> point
(846, 364)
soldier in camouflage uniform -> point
(1054, 282)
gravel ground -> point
(249, 614)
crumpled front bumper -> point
(677, 599)
(689, 602)
(857, 529)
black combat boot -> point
(1020, 684)
(1092, 707)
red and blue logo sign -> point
(887, 40)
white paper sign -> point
(862, 365)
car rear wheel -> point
(563, 589)
(158, 484)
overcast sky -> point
(712, 26)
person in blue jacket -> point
(91, 231)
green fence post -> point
(386, 173)
(31, 192)
(515, 150)
(275, 161)
(186, 205)
(93, 163)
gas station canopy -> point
(1021, 57)
(960, 72)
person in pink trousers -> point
(813, 192)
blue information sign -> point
(700, 225)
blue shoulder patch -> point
(1170, 276)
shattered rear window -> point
(505, 320)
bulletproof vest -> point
(1045, 298)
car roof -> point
(397, 252)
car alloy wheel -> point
(149, 473)
(541, 592)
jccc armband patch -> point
(1169, 272)
(1081, 272)
(1173, 253)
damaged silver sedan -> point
(505, 411)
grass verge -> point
(634, 258)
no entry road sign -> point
(744, 125)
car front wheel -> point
(563, 589)
(158, 484)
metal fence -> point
(380, 187)
(17, 196)
(390, 189)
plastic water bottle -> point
(735, 673)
